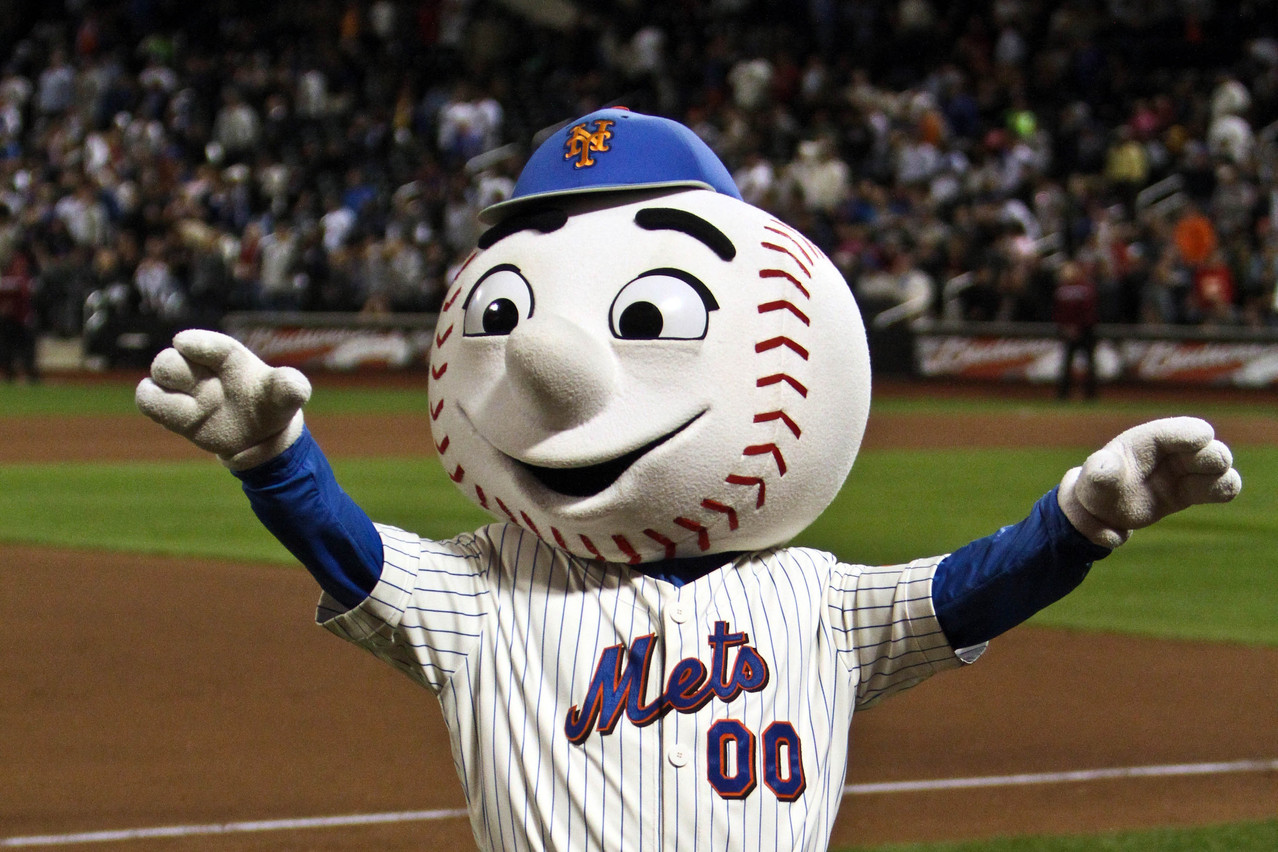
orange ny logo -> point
(582, 142)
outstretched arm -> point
(212, 390)
(990, 585)
(1146, 473)
(297, 498)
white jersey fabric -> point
(593, 707)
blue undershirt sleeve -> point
(297, 498)
(994, 583)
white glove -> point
(1145, 474)
(210, 389)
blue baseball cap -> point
(611, 150)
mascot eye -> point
(667, 304)
(497, 303)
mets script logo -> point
(619, 685)
(736, 757)
(582, 143)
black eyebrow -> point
(673, 219)
(544, 221)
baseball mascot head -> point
(637, 365)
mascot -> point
(652, 386)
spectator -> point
(1127, 165)
(117, 128)
(469, 125)
(1262, 307)
(897, 292)
(156, 284)
(1195, 236)
(1165, 298)
(278, 281)
(751, 82)
(820, 177)
(756, 179)
(237, 127)
(336, 224)
(17, 316)
(56, 87)
(1075, 312)
(1233, 202)
(84, 214)
(1215, 292)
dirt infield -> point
(146, 692)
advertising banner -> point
(340, 349)
(1224, 363)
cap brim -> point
(494, 213)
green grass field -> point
(1206, 574)
(1242, 837)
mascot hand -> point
(210, 389)
(1145, 474)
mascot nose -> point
(564, 374)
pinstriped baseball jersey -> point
(593, 707)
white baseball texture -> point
(731, 429)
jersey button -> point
(680, 612)
(678, 756)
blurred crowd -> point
(179, 161)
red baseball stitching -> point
(790, 236)
(632, 555)
(507, 512)
(531, 525)
(590, 546)
(785, 251)
(559, 538)
(716, 506)
(781, 273)
(776, 342)
(449, 303)
(460, 270)
(783, 377)
(754, 481)
(769, 416)
(481, 496)
(663, 541)
(703, 534)
(458, 474)
(784, 305)
(771, 448)
(797, 236)
(435, 410)
(765, 449)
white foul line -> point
(1083, 775)
(230, 828)
(1165, 771)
